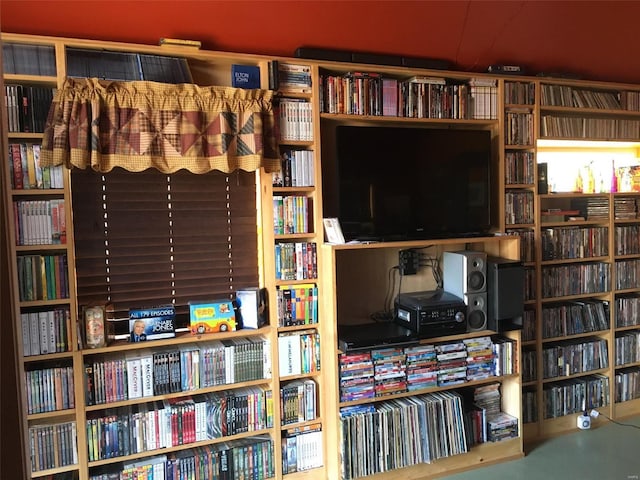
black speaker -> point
(476, 311)
(543, 182)
(464, 272)
(505, 294)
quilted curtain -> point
(139, 125)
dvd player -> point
(371, 335)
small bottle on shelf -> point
(614, 178)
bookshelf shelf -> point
(33, 79)
(573, 260)
(38, 248)
(577, 335)
(382, 120)
(422, 391)
(575, 375)
(519, 147)
(43, 303)
(54, 471)
(51, 415)
(48, 357)
(181, 338)
(288, 378)
(51, 192)
(297, 328)
(187, 446)
(627, 365)
(628, 327)
(182, 394)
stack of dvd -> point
(389, 371)
(502, 426)
(488, 397)
(422, 367)
(480, 358)
(452, 363)
(356, 376)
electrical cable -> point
(619, 423)
(388, 301)
(385, 314)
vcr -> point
(431, 313)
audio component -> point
(505, 294)
(431, 313)
(464, 272)
(465, 275)
(370, 335)
(476, 311)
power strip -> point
(409, 262)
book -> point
(289, 354)
(134, 377)
(245, 76)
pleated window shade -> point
(148, 238)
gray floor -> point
(609, 452)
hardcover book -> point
(245, 76)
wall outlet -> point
(409, 262)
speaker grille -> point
(476, 281)
(476, 320)
(476, 311)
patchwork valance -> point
(139, 125)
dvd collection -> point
(178, 421)
(573, 318)
(248, 458)
(575, 395)
(627, 386)
(161, 371)
(574, 356)
(387, 371)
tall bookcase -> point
(517, 178)
(77, 441)
(293, 235)
(571, 214)
(42, 256)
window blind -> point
(147, 238)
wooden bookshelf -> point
(525, 125)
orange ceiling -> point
(595, 39)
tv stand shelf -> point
(355, 280)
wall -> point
(595, 39)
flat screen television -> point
(398, 183)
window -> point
(148, 238)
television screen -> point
(396, 183)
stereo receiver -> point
(431, 313)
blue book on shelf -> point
(245, 76)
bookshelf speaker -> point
(464, 272)
(543, 182)
(476, 311)
(505, 294)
